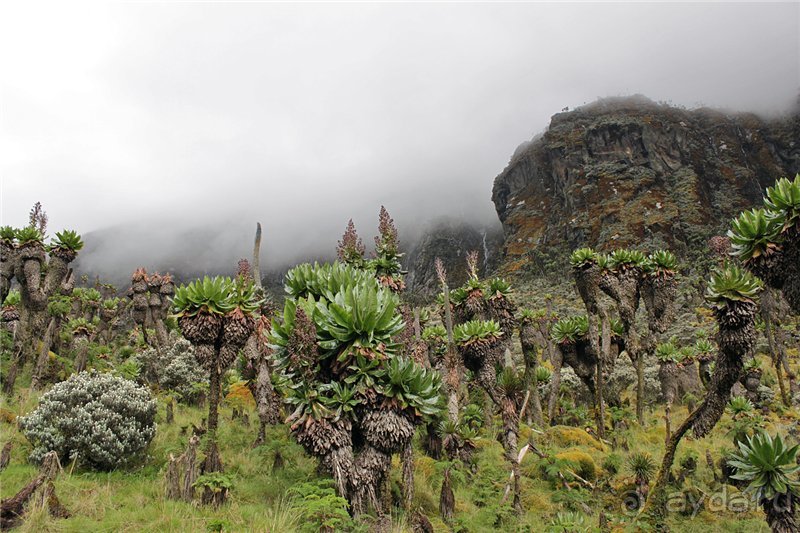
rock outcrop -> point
(628, 171)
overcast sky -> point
(302, 116)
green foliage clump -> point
(476, 331)
(8, 234)
(568, 522)
(80, 326)
(784, 199)
(582, 258)
(13, 298)
(662, 262)
(570, 329)
(335, 350)
(667, 352)
(641, 465)
(624, 258)
(530, 315)
(29, 235)
(209, 295)
(436, 332)
(499, 287)
(732, 284)
(543, 374)
(754, 233)
(68, 240)
(407, 385)
(111, 303)
(768, 464)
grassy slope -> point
(132, 499)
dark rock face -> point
(624, 172)
(450, 241)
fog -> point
(163, 132)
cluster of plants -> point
(668, 352)
(767, 239)
(341, 373)
(658, 263)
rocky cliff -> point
(450, 240)
(628, 171)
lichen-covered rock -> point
(628, 171)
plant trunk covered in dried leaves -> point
(447, 500)
(530, 352)
(217, 341)
(41, 276)
(484, 359)
(624, 287)
(735, 338)
(587, 281)
(771, 312)
(781, 513)
(258, 373)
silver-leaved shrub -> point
(101, 419)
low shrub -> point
(101, 419)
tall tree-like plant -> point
(480, 343)
(621, 279)
(355, 402)
(42, 272)
(528, 324)
(767, 240)
(732, 292)
(217, 316)
(587, 274)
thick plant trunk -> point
(433, 442)
(5, 455)
(603, 356)
(213, 402)
(510, 441)
(408, 476)
(453, 380)
(447, 499)
(267, 401)
(634, 352)
(12, 510)
(11, 376)
(531, 356)
(781, 513)
(735, 339)
(213, 463)
(555, 384)
(768, 305)
(44, 354)
(81, 343)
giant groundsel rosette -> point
(355, 401)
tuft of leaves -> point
(768, 464)
(732, 284)
(755, 233)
